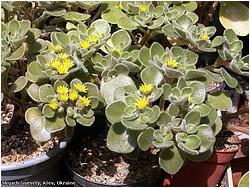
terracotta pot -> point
(203, 174)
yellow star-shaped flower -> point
(141, 103)
(204, 36)
(62, 89)
(171, 63)
(81, 87)
(84, 101)
(54, 105)
(146, 88)
(143, 8)
(58, 48)
(85, 44)
(73, 95)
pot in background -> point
(203, 174)
(46, 168)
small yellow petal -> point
(73, 95)
(84, 102)
(141, 103)
(54, 105)
(62, 69)
(85, 44)
(58, 48)
(93, 38)
(146, 88)
(144, 8)
(63, 97)
(119, 6)
(62, 89)
(204, 36)
(171, 63)
(80, 87)
(62, 56)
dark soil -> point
(226, 141)
(20, 146)
(7, 111)
(95, 162)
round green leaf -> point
(171, 160)
(207, 138)
(19, 84)
(17, 54)
(120, 139)
(32, 114)
(33, 92)
(54, 124)
(235, 15)
(231, 81)
(145, 139)
(126, 23)
(114, 111)
(45, 91)
(193, 142)
(151, 75)
(47, 111)
(76, 16)
(199, 92)
(38, 131)
(220, 100)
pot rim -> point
(37, 160)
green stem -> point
(162, 103)
(145, 37)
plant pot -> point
(203, 174)
(83, 182)
(91, 164)
(43, 170)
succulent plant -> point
(62, 105)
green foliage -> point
(148, 64)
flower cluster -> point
(92, 39)
(62, 63)
(67, 95)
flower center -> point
(144, 8)
(204, 36)
(141, 103)
(146, 88)
(58, 48)
(85, 44)
(54, 105)
(171, 63)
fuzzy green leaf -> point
(54, 124)
(220, 100)
(145, 139)
(151, 75)
(114, 111)
(171, 160)
(19, 84)
(45, 91)
(120, 139)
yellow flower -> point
(68, 63)
(204, 36)
(171, 63)
(54, 105)
(117, 50)
(73, 95)
(62, 69)
(93, 38)
(144, 8)
(80, 87)
(55, 64)
(84, 101)
(146, 88)
(141, 103)
(58, 48)
(63, 97)
(62, 89)
(62, 56)
(190, 98)
(85, 44)
(119, 6)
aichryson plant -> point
(163, 71)
(61, 105)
